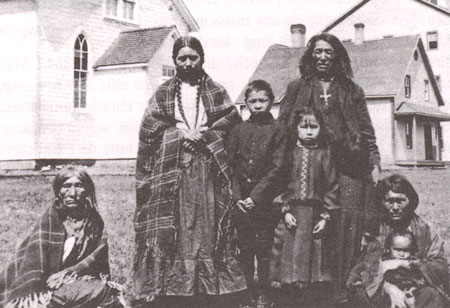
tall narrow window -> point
(432, 39)
(128, 9)
(80, 71)
(408, 134)
(440, 137)
(407, 86)
(427, 90)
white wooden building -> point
(430, 19)
(76, 75)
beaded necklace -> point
(180, 103)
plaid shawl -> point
(40, 255)
(157, 172)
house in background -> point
(430, 19)
(402, 95)
(76, 75)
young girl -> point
(301, 255)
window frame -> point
(408, 133)
(426, 90)
(121, 14)
(168, 72)
(429, 41)
(407, 82)
(80, 69)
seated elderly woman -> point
(398, 201)
(64, 261)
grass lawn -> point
(24, 198)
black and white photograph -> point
(224, 153)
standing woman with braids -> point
(185, 242)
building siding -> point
(386, 21)
(380, 111)
(39, 102)
(18, 81)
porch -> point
(418, 135)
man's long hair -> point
(341, 68)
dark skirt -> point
(192, 270)
(357, 215)
(298, 256)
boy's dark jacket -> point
(258, 151)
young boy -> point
(258, 152)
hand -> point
(290, 221)
(249, 204)
(397, 297)
(197, 135)
(241, 206)
(190, 134)
(365, 239)
(56, 280)
(376, 174)
(394, 264)
(320, 226)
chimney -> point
(359, 33)
(298, 35)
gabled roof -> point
(409, 109)
(186, 14)
(379, 66)
(134, 46)
(363, 2)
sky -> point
(236, 33)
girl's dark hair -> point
(311, 111)
(341, 67)
(400, 185)
(259, 85)
(400, 233)
(188, 41)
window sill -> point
(81, 111)
(121, 21)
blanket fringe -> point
(35, 300)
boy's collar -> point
(261, 117)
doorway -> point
(428, 142)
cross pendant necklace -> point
(325, 96)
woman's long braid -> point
(180, 103)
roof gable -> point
(134, 46)
(186, 14)
(363, 2)
(379, 66)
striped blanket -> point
(40, 255)
(157, 172)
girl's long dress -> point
(298, 255)
(357, 193)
